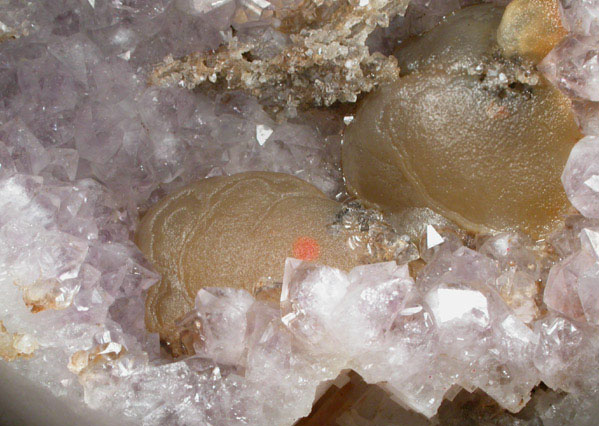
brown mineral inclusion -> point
(233, 231)
(471, 129)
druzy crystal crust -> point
(86, 145)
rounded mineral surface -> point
(234, 231)
(480, 138)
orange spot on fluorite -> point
(306, 248)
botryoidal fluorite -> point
(468, 131)
(85, 144)
(236, 231)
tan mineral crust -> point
(324, 60)
(83, 362)
(45, 294)
(478, 135)
(16, 345)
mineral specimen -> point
(86, 146)
(466, 131)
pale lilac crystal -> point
(561, 292)
(435, 239)
(573, 284)
(582, 16)
(521, 270)
(474, 340)
(581, 176)
(7, 166)
(461, 265)
(133, 138)
(308, 299)
(566, 240)
(222, 313)
(512, 252)
(519, 290)
(377, 294)
(573, 66)
(378, 325)
(588, 292)
(589, 241)
(567, 352)
(488, 347)
(56, 272)
(75, 110)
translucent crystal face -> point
(475, 136)
(234, 231)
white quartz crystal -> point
(582, 169)
(573, 285)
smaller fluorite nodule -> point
(234, 231)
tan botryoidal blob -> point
(234, 231)
(531, 28)
(478, 137)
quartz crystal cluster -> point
(86, 144)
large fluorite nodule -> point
(468, 132)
